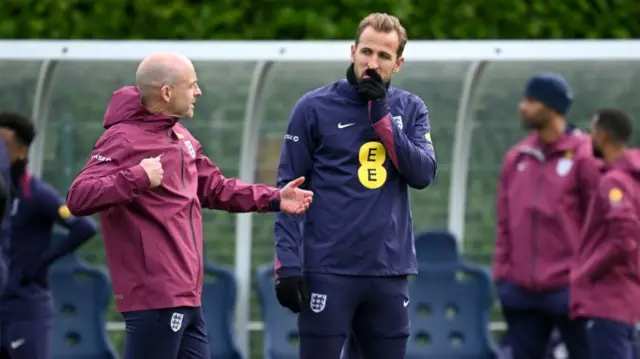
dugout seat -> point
(450, 303)
(436, 247)
(81, 295)
(281, 337)
(218, 304)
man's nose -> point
(373, 65)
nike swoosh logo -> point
(405, 303)
(341, 126)
(17, 343)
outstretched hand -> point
(294, 200)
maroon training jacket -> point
(543, 194)
(605, 282)
(153, 237)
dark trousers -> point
(171, 333)
(609, 339)
(531, 318)
(529, 332)
(374, 309)
(26, 339)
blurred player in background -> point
(605, 282)
(149, 180)
(36, 208)
(544, 189)
(5, 225)
(361, 144)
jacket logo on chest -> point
(14, 206)
(564, 165)
(190, 148)
(398, 121)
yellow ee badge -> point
(64, 212)
(371, 173)
(615, 196)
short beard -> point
(536, 123)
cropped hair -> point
(615, 123)
(384, 23)
(24, 129)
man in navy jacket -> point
(27, 304)
(361, 144)
(5, 225)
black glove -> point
(292, 292)
(372, 88)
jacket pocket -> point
(148, 254)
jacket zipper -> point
(535, 225)
(193, 231)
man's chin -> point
(188, 114)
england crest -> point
(14, 206)
(190, 148)
(176, 321)
(564, 166)
(318, 302)
(398, 121)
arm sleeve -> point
(588, 178)
(295, 161)
(103, 182)
(502, 256)
(4, 197)
(80, 229)
(5, 204)
(412, 154)
(230, 194)
(622, 226)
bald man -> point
(148, 179)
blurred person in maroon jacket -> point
(149, 180)
(544, 188)
(605, 282)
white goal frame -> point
(265, 53)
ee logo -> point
(371, 172)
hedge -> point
(293, 19)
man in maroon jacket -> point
(605, 282)
(148, 178)
(543, 193)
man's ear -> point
(399, 64)
(353, 53)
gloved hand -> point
(372, 88)
(292, 293)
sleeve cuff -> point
(285, 272)
(274, 202)
(141, 180)
(378, 110)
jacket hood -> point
(126, 105)
(629, 163)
